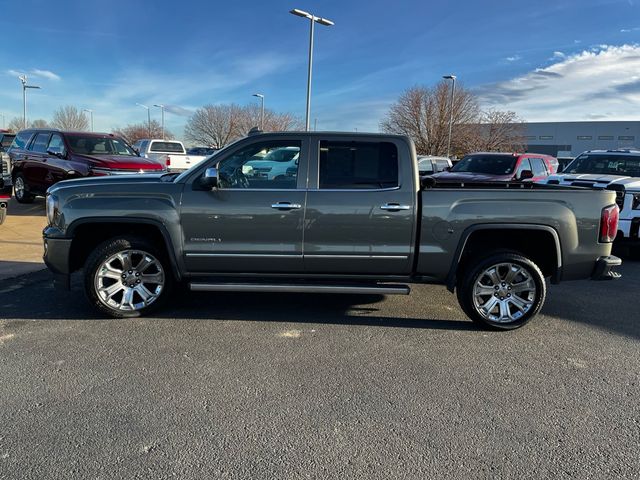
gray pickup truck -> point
(349, 216)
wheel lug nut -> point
(124, 275)
(137, 274)
(508, 294)
(131, 271)
(137, 281)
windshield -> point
(628, 165)
(489, 164)
(94, 145)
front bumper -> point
(56, 257)
(604, 269)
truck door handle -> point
(286, 206)
(395, 206)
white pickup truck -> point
(171, 153)
(617, 170)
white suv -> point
(617, 170)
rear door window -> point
(358, 165)
(524, 165)
(40, 143)
(539, 168)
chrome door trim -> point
(244, 255)
(367, 257)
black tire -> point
(475, 275)
(137, 248)
(22, 195)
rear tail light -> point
(609, 223)
(167, 161)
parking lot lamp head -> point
(312, 21)
(23, 80)
(161, 107)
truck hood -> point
(470, 177)
(88, 182)
(123, 162)
(596, 180)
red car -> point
(42, 157)
(499, 167)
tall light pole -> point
(90, 116)
(453, 92)
(148, 119)
(312, 21)
(261, 97)
(161, 107)
(23, 80)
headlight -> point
(52, 209)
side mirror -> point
(526, 175)
(56, 152)
(210, 178)
(448, 169)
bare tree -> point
(423, 113)
(133, 133)
(499, 131)
(39, 123)
(217, 125)
(273, 121)
(70, 118)
(214, 125)
(15, 125)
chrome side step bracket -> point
(375, 289)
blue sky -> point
(547, 60)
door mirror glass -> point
(210, 178)
(56, 151)
(526, 175)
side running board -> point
(379, 289)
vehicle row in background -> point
(171, 153)
(499, 167)
(43, 157)
(6, 138)
(430, 164)
(617, 170)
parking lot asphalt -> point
(21, 239)
(316, 386)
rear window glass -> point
(358, 165)
(486, 163)
(21, 140)
(7, 140)
(604, 164)
(170, 147)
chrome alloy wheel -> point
(18, 187)
(129, 280)
(504, 292)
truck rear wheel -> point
(503, 291)
(127, 277)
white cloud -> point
(35, 72)
(513, 58)
(45, 74)
(629, 30)
(558, 56)
(603, 81)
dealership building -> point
(570, 139)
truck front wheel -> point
(503, 291)
(127, 277)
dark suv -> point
(42, 157)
